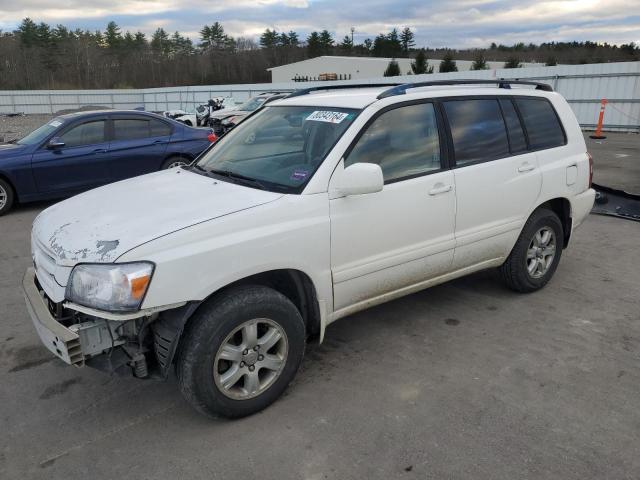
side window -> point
(90, 133)
(541, 122)
(160, 128)
(403, 141)
(477, 129)
(130, 129)
(517, 140)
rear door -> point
(497, 178)
(80, 164)
(138, 144)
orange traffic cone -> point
(598, 133)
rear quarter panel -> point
(565, 169)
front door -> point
(79, 164)
(398, 237)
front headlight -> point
(113, 287)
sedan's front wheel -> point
(240, 351)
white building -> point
(345, 68)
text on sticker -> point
(326, 116)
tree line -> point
(41, 56)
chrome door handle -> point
(440, 188)
(100, 150)
(526, 167)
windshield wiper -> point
(239, 177)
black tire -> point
(514, 270)
(169, 162)
(210, 328)
(7, 197)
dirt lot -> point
(465, 380)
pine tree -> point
(269, 39)
(407, 40)
(326, 42)
(314, 46)
(479, 63)
(113, 36)
(393, 69)
(421, 65)
(448, 64)
(346, 46)
(512, 62)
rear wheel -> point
(175, 161)
(6, 197)
(536, 254)
(240, 352)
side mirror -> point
(54, 143)
(360, 179)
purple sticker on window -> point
(299, 175)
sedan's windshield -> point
(41, 133)
(279, 148)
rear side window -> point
(517, 140)
(159, 128)
(477, 130)
(541, 122)
(403, 141)
(90, 133)
(135, 128)
(130, 129)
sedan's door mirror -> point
(360, 179)
(54, 143)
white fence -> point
(582, 85)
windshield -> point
(251, 104)
(278, 148)
(41, 133)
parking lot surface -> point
(616, 161)
(465, 380)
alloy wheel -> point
(541, 252)
(250, 359)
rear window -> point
(541, 122)
(477, 129)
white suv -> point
(320, 205)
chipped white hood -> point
(102, 224)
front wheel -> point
(536, 254)
(240, 352)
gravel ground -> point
(13, 128)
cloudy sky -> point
(452, 23)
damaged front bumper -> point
(140, 343)
(60, 340)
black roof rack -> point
(306, 91)
(502, 83)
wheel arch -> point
(561, 206)
(294, 284)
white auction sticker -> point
(326, 116)
(55, 123)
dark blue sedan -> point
(80, 151)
